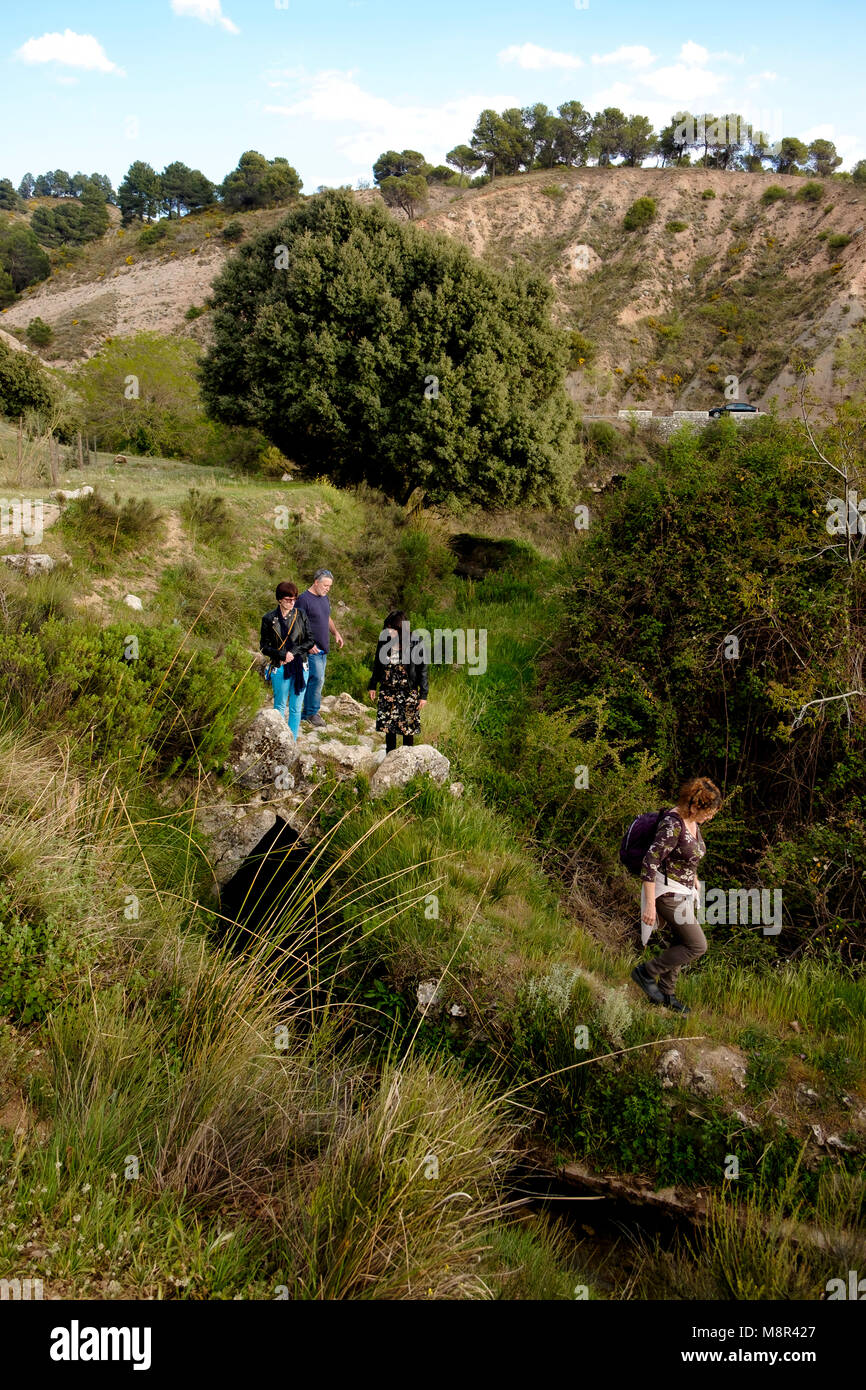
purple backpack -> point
(638, 838)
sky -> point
(331, 84)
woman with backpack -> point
(400, 672)
(671, 889)
(286, 640)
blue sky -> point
(330, 84)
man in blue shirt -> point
(317, 606)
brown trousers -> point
(692, 943)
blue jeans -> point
(313, 698)
(285, 693)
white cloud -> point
(209, 11)
(71, 49)
(529, 55)
(379, 124)
(619, 94)
(635, 55)
(851, 147)
(694, 54)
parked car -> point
(733, 408)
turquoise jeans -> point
(285, 694)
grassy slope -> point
(500, 922)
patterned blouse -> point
(678, 861)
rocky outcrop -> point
(265, 753)
(273, 774)
(705, 1071)
(30, 565)
(403, 764)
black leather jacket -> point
(416, 667)
(299, 640)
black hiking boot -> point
(670, 1001)
(647, 984)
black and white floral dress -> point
(397, 711)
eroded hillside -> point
(728, 279)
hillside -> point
(720, 285)
(432, 1019)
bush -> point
(553, 190)
(272, 463)
(233, 231)
(675, 227)
(195, 311)
(104, 528)
(207, 514)
(166, 418)
(39, 961)
(602, 438)
(811, 192)
(168, 707)
(708, 193)
(640, 214)
(837, 241)
(23, 384)
(773, 193)
(581, 350)
(150, 236)
(39, 333)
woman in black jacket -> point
(400, 672)
(286, 640)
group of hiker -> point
(664, 848)
(296, 637)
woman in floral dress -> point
(400, 673)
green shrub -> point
(640, 214)
(773, 193)
(39, 333)
(233, 231)
(104, 528)
(23, 384)
(708, 193)
(195, 311)
(581, 350)
(150, 236)
(838, 240)
(675, 226)
(553, 190)
(39, 961)
(602, 437)
(811, 192)
(272, 462)
(207, 514)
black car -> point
(732, 408)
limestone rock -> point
(670, 1068)
(456, 789)
(346, 759)
(265, 752)
(347, 708)
(31, 564)
(73, 494)
(133, 601)
(234, 833)
(400, 766)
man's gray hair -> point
(322, 574)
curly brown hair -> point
(699, 794)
